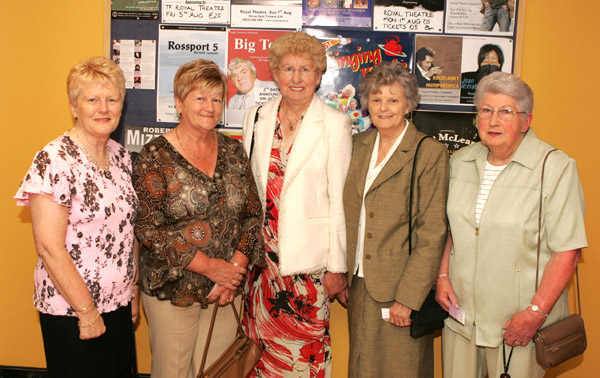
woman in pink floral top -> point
(83, 208)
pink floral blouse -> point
(102, 210)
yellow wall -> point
(41, 40)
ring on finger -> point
(234, 282)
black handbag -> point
(431, 316)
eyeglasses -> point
(503, 114)
(289, 71)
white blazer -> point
(312, 231)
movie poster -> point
(274, 14)
(472, 17)
(417, 16)
(178, 44)
(195, 12)
(350, 55)
(346, 13)
(455, 130)
(438, 68)
(480, 57)
(248, 75)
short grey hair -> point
(235, 62)
(506, 84)
(388, 73)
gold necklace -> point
(194, 156)
(291, 124)
(106, 165)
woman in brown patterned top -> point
(199, 225)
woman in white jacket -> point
(300, 151)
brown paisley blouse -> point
(183, 211)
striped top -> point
(490, 174)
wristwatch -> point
(537, 309)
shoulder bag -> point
(239, 358)
(431, 316)
(566, 338)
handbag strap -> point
(212, 325)
(253, 132)
(537, 268)
(410, 201)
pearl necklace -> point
(106, 165)
(194, 156)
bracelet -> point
(90, 323)
(86, 307)
(442, 275)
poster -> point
(471, 17)
(347, 13)
(420, 16)
(137, 136)
(179, 44)
(350, 55)
(195, 11)
(249, 78)
(137, 60)
(134, 9)
(455, 130)
(274, 14)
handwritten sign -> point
(195, 11)
(407, 20)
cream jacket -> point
(312, 232)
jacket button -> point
(371, 215)
(369, 236)
(368, 257)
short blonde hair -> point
(199, 74)
(94, 70)
(298, 43)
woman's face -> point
(98, 109)
(297, 79)
(201, 110)
(388, 108)
(502, 134)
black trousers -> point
(110, 355)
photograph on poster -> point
(248, 75)
(340, 13)
(455, 130)
(350, 55)
(180, 44)
(438, 67)
(480, 57)
(134, 9)
(137, 60)
(418, 16)
(274, 14)
(495, 17)
(195, 12)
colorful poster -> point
(134, 9)
(480, 57)
(274, 14)
(437, 68)
(350, 55)
(178, 44)
(195, 11)
(455, 130)
(137, 60)
(479, 17)
(419, 16)
(347, 13)
(248, 74)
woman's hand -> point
(444, 293)
(226, 274)
(521, 328)
(135, 304)
(343, 297)
(334, 283)
(91, 325)
(400, 315)
(221, 294)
